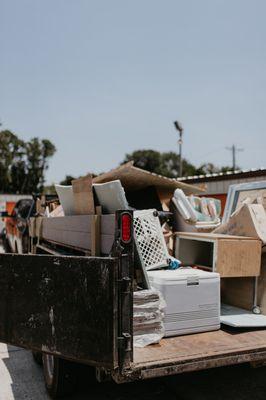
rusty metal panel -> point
(125, 252)
(63, 305)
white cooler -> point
(192, 299)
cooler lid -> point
(162, 276)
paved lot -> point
(21, 379)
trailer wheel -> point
(60, 376)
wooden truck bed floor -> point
(199, 351)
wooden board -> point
(212, 236)
(231, 256)
(239, 291)
(65, 305)
(96, 236)
(76, 231)
(198, 351)
(83, 196)
(238, 257)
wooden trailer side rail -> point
(196, 352)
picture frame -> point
(238, 192)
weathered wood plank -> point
(200, 346)
(75, 231)
(196, 352)
(79, 223)
(231, 256)
(62, 305)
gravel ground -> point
(21, 378)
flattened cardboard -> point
(83, 196)
(133, 178)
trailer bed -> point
(199, 351)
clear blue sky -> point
(103, 78)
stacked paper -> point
(148, 307)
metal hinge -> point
(124, 341)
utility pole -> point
(179, 128)
(234, 149)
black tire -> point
(37, 357)
(60, 376)
(25, 244)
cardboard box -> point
(83, 196)
(249, 220)
(231, 256)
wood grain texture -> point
(96, 236)
(239, 291)
(238, 258)
(65, 306)
(83, 195)
(199, 346)
(231, 256)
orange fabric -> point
(9, 206)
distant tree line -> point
(23, 163)
(166, 164)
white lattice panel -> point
(149, 240)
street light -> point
(179, 128)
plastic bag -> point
(144, 339)
(148, 298)
(141, 317)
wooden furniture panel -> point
(231, 256)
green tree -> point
(67, 180)
(170, 165)
(226, 168)
(150, 160)
(23, 164)
(166, 164)
(210, 168)
(12, 154)
(38, 153)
